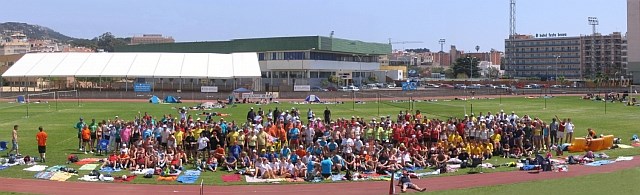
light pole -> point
(557, 57)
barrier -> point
(608, 142)
(596, 144)
(578, 145)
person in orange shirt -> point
(86, 138)
(282, 135)
(41, 137)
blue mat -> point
(3, 167)
(600, 163)
(192, 173)
(187, 178)
(44, 175)
(109, 170)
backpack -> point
(72, 158)
(27, 159)
(12, 159)
(148, 175)
(94, 173)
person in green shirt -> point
(369, 134)
(79, 126)
(93, 127)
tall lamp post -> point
(471, 68)
(557, 57)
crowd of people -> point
(284, 143)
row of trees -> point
(107, 42)
(462, 68)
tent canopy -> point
(312, 98)
(241, 90)
(170, 99)
(154, 100)
(137, 65)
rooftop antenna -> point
(512, 18)
(441, 42)
(331, 35)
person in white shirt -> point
(513, 118)
(569, 127)
(203, 142)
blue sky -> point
(464, 23)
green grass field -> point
(619, 120)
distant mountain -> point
(35, 31)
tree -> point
(463, 65)
(333, 79)
(108, 42)
(493, 72)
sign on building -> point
(209, 89)
(141, 87)
(302, 88)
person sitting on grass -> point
(591, 134)
(231, 163)
(405, 183)
(299, 169)
(506, 151)
(110, 161)
(528, 148)
(264, 169)
(212, 163)
(123, 160)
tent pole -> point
(26, 95)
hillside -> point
(35, 31)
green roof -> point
(265, 44)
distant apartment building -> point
(151, 39)
(44, 46)
(555, 55)
(442, 59)
(493, 57)
(602, 55)
(15, 44)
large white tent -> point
(137, 65)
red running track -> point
(348, 188)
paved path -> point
(348, 188)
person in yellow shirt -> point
(495, 140)
(233, 136)
(197, 131)
(241, 140)
(179, 134)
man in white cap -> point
(251, 115)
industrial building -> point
(287, 62)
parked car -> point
(474, 86)
(343, 89)
(527, 87)
(391, 85)
(331, 89)
(503, 86)
(318, 89)
(459, 86)
(353, 88)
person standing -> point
(41, 137)
(14, 141)
(79, 127)
(93, 127)
(327, 115)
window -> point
(260, 56)
(314, 74)
(325, 74)
(265, 74)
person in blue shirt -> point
(333, 146)
(285, 152)
(272, 155)
(325, 166)
(311, 172)
(294, 158)
(147, 133)
(235, 150)
(293, 136)
(338, 162)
